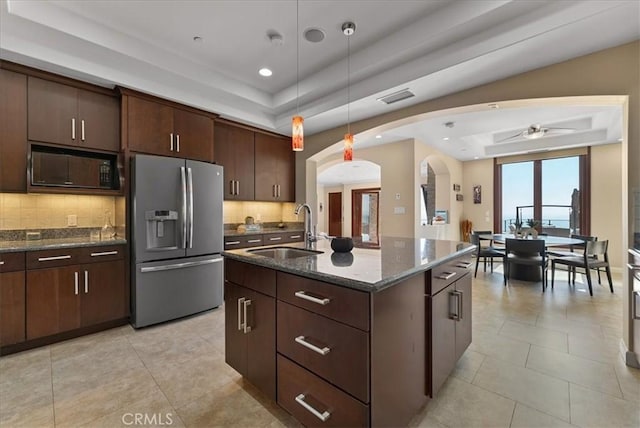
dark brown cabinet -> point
(450, 332)
(76, 288)
(160, 129)
(275, 165)
(234, 150)
(63, 114)
(13, 131)
(12, 297)
(250, 319)
(234, 242)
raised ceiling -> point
(433, 48)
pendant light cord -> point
(297, 59)
(348, 84)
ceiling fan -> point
(537, 131)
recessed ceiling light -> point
(493, 105)
(265, 72)
(445, 139)
(198, 39)
(378, 136)
(476, 157)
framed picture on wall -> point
(459, 197)
(477, 194)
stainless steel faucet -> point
(309, 228)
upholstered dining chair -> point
(529, 252)
(590, 259)
(573, 251)
(484, 252)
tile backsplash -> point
(264, 212)
(40, 211)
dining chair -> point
(485, 252)
(575, 250)
(590, 259)
(529, 252)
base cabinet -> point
(74, 288)
(12, 297)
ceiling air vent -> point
(397, 96)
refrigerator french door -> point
(177, 238)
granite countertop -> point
(47, 244)
(266, 230)
(365, 269)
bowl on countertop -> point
(342, 244)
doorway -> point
(365, 224)
(335, 214)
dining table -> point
(525, 272)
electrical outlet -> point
(72, 220)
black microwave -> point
(62, 167)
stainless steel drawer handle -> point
(48, 259)
(295, 237)
(633, 267)
(275, 239)
(464, 265)
(254, 241)
(104, 253)
(322, 351)
(1, 263)
(232, 242)
(446, 275)
(303, 295)
(324, 416)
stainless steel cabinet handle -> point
(86, 282)
(279, 190)
(460, 307)
(190, 190)
(253, 241)
(232, 242)
(446, 275)
(232, 187)
(179, 265)
(278, 238)
(322, 351)
(73, 128)
(75, 277)
(455, 313)
(237, 187)
(273, 190)
(302, 295)
(240, 304)
(82, 130)
(171, 140)
(464, 265)
(295, 236)
(178, 143)
(183, 179)
(104, 253)
(324, 416)
(1, 262)
(246, 328)
(48, 259)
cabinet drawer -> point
(445, 274)
(242, 241)
(341, 353)
(104, 253)
(251, 276)
(335, 302)
(310, 399)
(283, 237)
(53, 258)
(11, 262)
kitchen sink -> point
(282, 253)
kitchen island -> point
(349, 339)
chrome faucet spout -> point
(309, 228)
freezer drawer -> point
(176, 288)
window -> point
(552, 192)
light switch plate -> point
(398, 210)
(72, 220)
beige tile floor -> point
(537, 360)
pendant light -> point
(297, 131)
(348, 28)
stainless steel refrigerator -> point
(177, 233)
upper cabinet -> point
(63, 114)
(158, 128)
(275, 166)
(234, 149)
(13, 131)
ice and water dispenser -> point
(162, 230)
